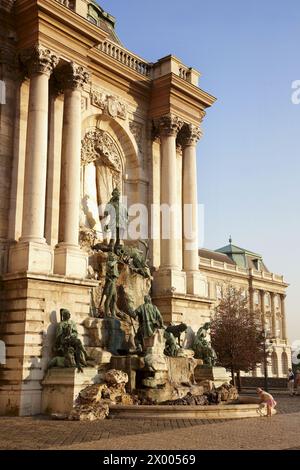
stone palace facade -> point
(266, 292)
(80, 115)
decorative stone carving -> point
(39, 59)
(99, 144)
(189, 135)
(73, 76)
(137, 131)
(68, 3)
(169, 125)
(109, 104)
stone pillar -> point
(69, 260)
(32, 253)
(263, 308)
(283, 317)
(196, 283)
(54, 167)
(273, 314)
(169, 276)
(251, 299)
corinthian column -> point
(168, 128)
(263, 308)
(196, 283)
(273, 314)
(189, 198)
(169, 278)
(26, 255)
(283, 317)
(69, 259)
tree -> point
(236, 333)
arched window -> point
(284, 363)
(93, 14)
(274, 362)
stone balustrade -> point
(233, 268)
(125, 57)
(67, 3)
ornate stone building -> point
(79, 115)
(232, 265)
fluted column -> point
(283, 317)
(168, 128)
(40, 67)
(170, 277)
(39, 63)
(196, 283)
(263, 308)
(190, 199)
(251, 299)
(273, 314)
(69, 260)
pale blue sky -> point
(248, 159)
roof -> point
(106, 21)
(242, 257)
(210, 254)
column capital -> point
(72, 76)
(168, 125)
(189, 135)
(39, 59)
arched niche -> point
(109, 159)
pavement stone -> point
(281, 431)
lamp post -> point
(266, 354)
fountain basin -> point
(225, 411)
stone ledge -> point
(49, 278)
(184, 412)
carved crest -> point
(109, 104)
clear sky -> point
(248, 160)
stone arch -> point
(122, 136)
(284, 363)
(110, 158)
(274, 362)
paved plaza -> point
(280, 432)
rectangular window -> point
(2, 92)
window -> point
(256, 298)
(257, 264)
(284, 363)
(92, 19)
(274, 362)
(278, 327)
(268, 326)
(2, 92)
(267, 300)
(2, 353)
(219, 292)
